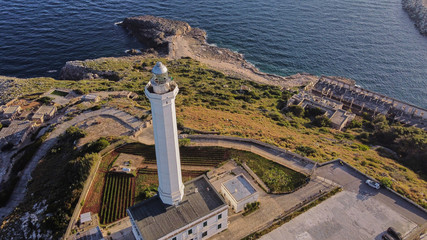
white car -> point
(373, 184)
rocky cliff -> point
(77, 70)
(154, 31)
(417, 10)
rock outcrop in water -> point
(417, 10)
(154, 32)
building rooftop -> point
(11, 109)
(155, 219)
(85, 217)
(239, 187)
(45, 110)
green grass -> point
(59, 93)
(278, 178)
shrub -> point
(361, 147)
(355, 124)
(98, 145)
(313, 112)
(184, 142)
(96, 107)
(386, 182)
(45, 100)
(306, 150)
(75, 132)
(296, 110)
(321, 121)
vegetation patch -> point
(58, 181)
(278, 178)
(59, 93)
(117, 197)
(250, 208)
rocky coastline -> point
(174, 39)
(417, 10)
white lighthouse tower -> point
(161, 91)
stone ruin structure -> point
(360, 100)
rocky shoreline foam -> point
(417, 10)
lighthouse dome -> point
(159, 69)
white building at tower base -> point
(201, 214)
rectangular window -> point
(219, 226)
(220, 216)
(204, 234)
(190, 231)
(205, 223)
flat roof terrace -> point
(239, 187)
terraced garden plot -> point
(118, 196)
(191, 156)
(94, 197)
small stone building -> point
(238, 192)
(11, 112)
(91, 98)
(44, 113)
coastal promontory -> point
(417, 10)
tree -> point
(45, 100)
(321, 121)
(75, 132)
(98, 145)
(296, 110)
(311, 112)
(386, 182)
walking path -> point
(279, 155)
(21, 187)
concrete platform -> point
(344, 216)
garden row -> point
(118, 196)
(194, 156)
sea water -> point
(371, 41)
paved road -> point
(21, 187)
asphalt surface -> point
(360, 212)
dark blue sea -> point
(371, 41)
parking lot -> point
(359, 212)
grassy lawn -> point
(278, 178)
